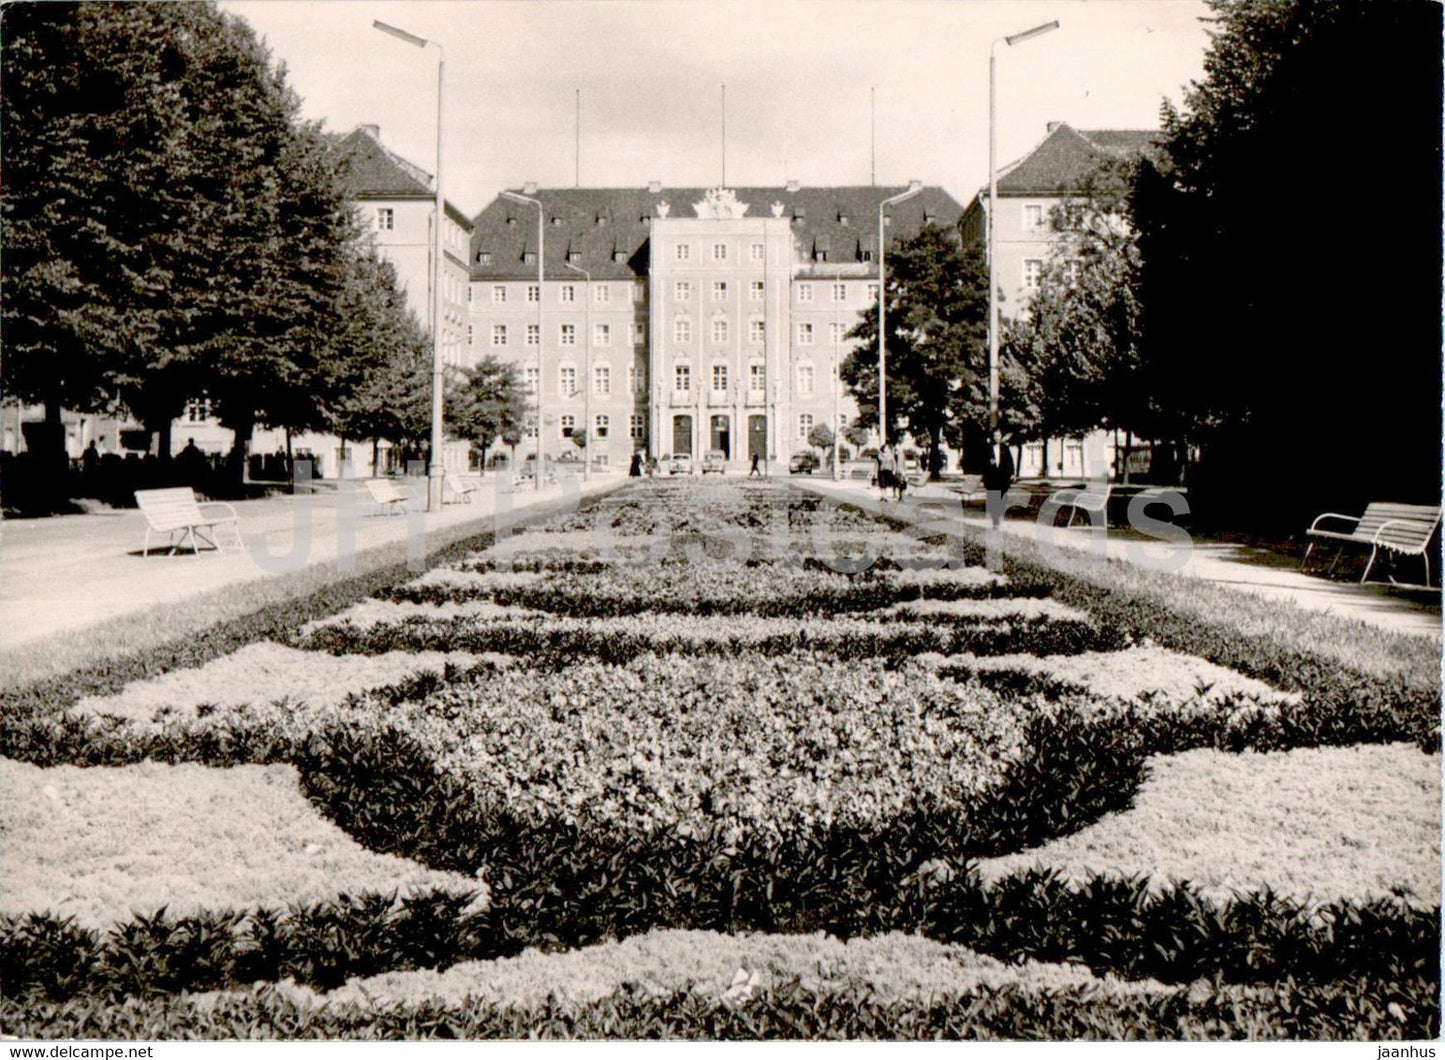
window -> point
(1071, 272)
(499, 334)
(636, 379)
(602, 425)
(530, 432)
(198, 410)
(567, 379)
(805, 334)
(639, 292)
(805, 426)
(567, 293)
(873, 292)
(682, 331)
(499, 294)
(567, 335)
(484, 257)
(471, 334)
(805, 292)
(470, 292)
(529, 257)
(385, 219)
(534, 334)
(1033, 274)
(568, 424)
(602, 334)
(719, 331)
(840, 292)
(531, 380)
(683, 252)
(682, 378)
(719, 291)
(639, 334)
(682, 290)
(719, 252)
(619, 256)
(805, 379)
(757, 331)
(637, 426)
(755, 252)
(534, 293)
(836, 332)
(601, 379)
(1033, 216)
(601, 293)
(719, 377)
(755, 291)
(574, 256)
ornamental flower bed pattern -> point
(688, 737)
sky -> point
(798, 76)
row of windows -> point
(757, 331)
(757, 378)
(566, 293)
(601, 379)
(683, 252)
(1034, 273)
(682, 291)
(602, 426)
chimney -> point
(654, 187)
(374, 131)
(915, 185)
(1053, 126)
(793, 185)
(529, 188)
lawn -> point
(725, 760)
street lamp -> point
(536, 471)
(434, 472)
(586, 372)
(991, 231)
(837, 370)
(882, 318)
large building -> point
(683, 320)
(1058, 170)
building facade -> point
(1057, 171)
(679, 321)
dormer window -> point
(842, 218)
(574, 256)
(484, 257)
(529, 257)
(619, 256)
(511, 221)
(556, 222)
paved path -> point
(1240, 566)
(70, 572)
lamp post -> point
(541, 228)
(883, 318)
(435, 471)
(991, 230)
(837, 370)
(586, 372)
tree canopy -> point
(937, 368)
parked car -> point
(714, 460)
(681, 464)
(804, 463)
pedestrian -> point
(998, 477)
(885, 473)
(754, 472)
(900, 480)
(634, 469)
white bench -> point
(1091, 497)
(390, 494)
(1398, 529)
(458, 489)
(177, 513)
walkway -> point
(1248, 569)
(72, 572)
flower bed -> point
(1234, 823)
(101, 844)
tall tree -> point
(937, 370)
(488, 404)
(1292, 263)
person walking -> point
(900, 478)
(885, 473)
(997, 478)
(754, 472)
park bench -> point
(390, 494)
(458, 489)
(1091, 497)
(1395, 529)
(177, 513)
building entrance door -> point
(682, 436)
(757, 438)
(722, 435)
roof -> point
(601, 223)
(1066, 157)
(370, 170)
